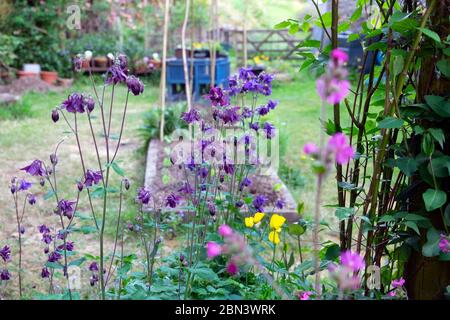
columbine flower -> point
(24, 185)
(36, 168)
(92, 177)
(55, 256)
(444, 244)
(65, 208)
(68, 247)
(230, 115)
(246, 74)
(272, 104)
(89, 103)
(5, 275)
(143, 196)
(5, 253)
(93, 267)
(263, 110)
(217, 97)
(276, 222)
(397, 283)
(55, 115)
(259, 202)
(352, 260)
(135, 85)
(31, 199)
(173, 200)
(269, 129)
(43, 229)
(191, 116)
(115, 75)
(225, 230)
(77, 63)
(74, 103)
(213, 249)
(279, 204)
(45, 273)
(246, 182)
(339, 146)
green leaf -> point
(439, 105)
(407, 165)
(77, 262)
(165, 179)
(447, 215)
(343, 213)
(353, 37)
(309, 44)
(434, 199)
(438, 135)
(356, 14)
(431, 247)
(300, 208)
(398, 65)
(440, 166)
(390, 123)
(444, 67)
(386, 218)
(332, 252)
(282, 25)
(296, 229)
(412, 225)
(54, 265)
(431, 34)
(294, 28)
(117, 169)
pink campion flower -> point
(332, 90)
(339, 56)
(232, 267)
(213, 249)
(310, 148)
(339, 146)
(225, 230)
(352, 260)
(392, 293)
(397, 283)
(304, 295)
(444, 244)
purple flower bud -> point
(5, 275)
(126, 184)
(42, 182)
(45, 273)
(46, 250)
(173, 200)
(80, 186)
(135, 85)
(90, 103)
(55, 115)
(53, 159)
(181, 257)
(93, 267)
(31, 199)
(239, 203)
(5, 253)
(13, 188)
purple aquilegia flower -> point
(143, 196)
(259, 202)
(217, 97)
(246, 182)
(191, 116)
(31, 199)
(135, 85)
(74, 103)
(92, 177)
(115, 75)
(66, 208)
(43, 229)
(36, 168)
(22, 230)
(339, 146)
(254, 126)
(69, 246)
(397, 283)
(5, 275)
(230, 115)
(93, 267)
(444, 244)
(246, 74)
(89, 103)
(246, 113)
(280, 204)
(186, 189)
(93, 280)
(272, 104)
(47, 238)
(24, 185)
(122, 61)
(228, 168)
(269, 129)
(5, 253)
(55, 256)
(172, 200)
(263, 110)
(45, 273)
(352, 260)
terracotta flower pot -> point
(65, 82)
(25, 74)
(101, 62)
(49, 76)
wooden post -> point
(213, 39)
(185, 65)
(244, 40)
(162, 84)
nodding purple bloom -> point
(92, 177)
(43, 229)
(265, 78)
(191, 116)
(269, 129)
(172, 200)
(233, 86)
(45, 273)
(65, 208)
(36, 168)
(89, 103)
(55, 115)
(55, 256)
(53, 159)
(246, 112)
(254, 126)
(143, 196)
(122, 61)
(135, 85)
(93, 280)
(279, 204)
(93, 267)
(80, 186)
(22, 230)
(217, 97)
(62, 234)
(250, 85)
(69, 246)
(13, 188)
(31, 199)
(246, 182)
(47, 238)
(42, 182)
(228, 168)
(186, 188)
(5, 275)
(203, 172)
(246, 74)
(263, 110)
(272, 104)
(46, 250)
(5, 253)
(74, 103)
(239, 203)
(259, 202)
(115, 75)
(24, 185)
(211, 208)
(230, 115)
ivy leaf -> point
(431, 247)
(390, 123)
(431, 34)
(434, 199)
(407, 165)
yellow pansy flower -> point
(249, 222)
(274, 237)
(276, 222)
(258, 217)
